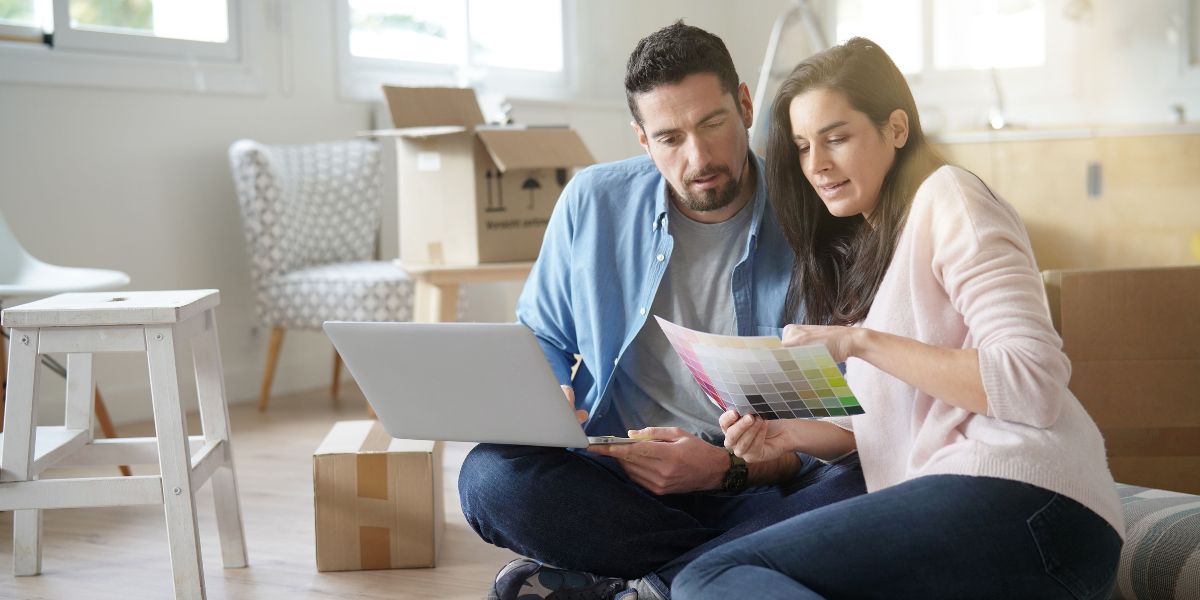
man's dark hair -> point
(671, 54)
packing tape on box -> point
(375, 547)
(374, 543)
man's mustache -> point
(709, 172)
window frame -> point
(976, 87)
(22, 34)
(361, 78)
(1189, 42)
(124, 61)
(947, 84)
(70, 38)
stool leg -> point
(81, 385)
(174, 461)
(16, 464)
(214, 419)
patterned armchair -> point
(310, 214)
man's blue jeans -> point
(580, 511)
(944, 536)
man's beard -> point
(713, 199)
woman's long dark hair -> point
(840, 261)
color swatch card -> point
(758, 375)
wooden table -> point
(437, 285)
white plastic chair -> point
(23, 276)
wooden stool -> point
(157, 323)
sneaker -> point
(528, 579)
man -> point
(685, 233)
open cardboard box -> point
(471, 193)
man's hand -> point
(674, 462)
(582, 415)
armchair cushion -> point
(354, 291)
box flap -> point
(529, 148)
(430, 106)
(420, 132)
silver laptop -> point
(468, 382)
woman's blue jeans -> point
(580, 511)
(944, 536)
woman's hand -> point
(951, 375)
(842, 342)
(754, 439)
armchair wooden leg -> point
(106, 425)
(269, 373)
(3, 375)
(337, 375)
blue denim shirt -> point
(606, 248)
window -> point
(923, 36)
(187, 45)
(1193, 26)
(21, 20)
(893, 24)
(18, 13)
(976, 64)
(407, 31)
(192, 28)
(197, 20)
(988, 34)
(506, 46)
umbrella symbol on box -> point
(532, 185)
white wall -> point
(138, 181)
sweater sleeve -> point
(983, 259)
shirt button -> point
(660, 257)
(641, 311)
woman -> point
(986, 478)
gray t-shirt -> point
(652, 386)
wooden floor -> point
(121, 553)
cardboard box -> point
(378, 499)
(471, 193)
(1133, 337)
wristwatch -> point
(736, 477)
